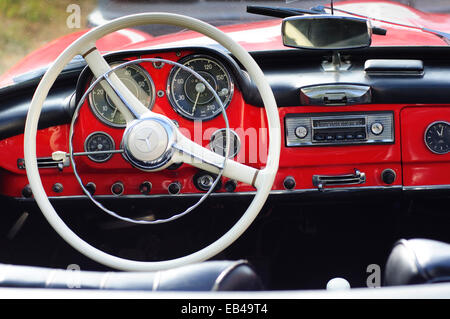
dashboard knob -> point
(117, 188)
(301, 131)
(388, 176)
(289, 183)
(376, 128)
(91, 188)
(57, 188)
(230, 185)
(174, 188)
(27, 192)
(145, 188)
(205, 182)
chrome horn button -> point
(147, 143)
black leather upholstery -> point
(418, 261)
(207, 276)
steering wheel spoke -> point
(198, 156)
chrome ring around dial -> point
(189, 97)
(137, 81)
(99, 141)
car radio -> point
(339, 128)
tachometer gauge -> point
(437, 137)
(190, 97)
(137, 80)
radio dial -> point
(377, 128)
(301, 131)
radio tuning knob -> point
(376, 128)
(301, 131)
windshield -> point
(31, 24)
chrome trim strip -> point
(426, 187)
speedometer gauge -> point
(190, 97)
(137, 80)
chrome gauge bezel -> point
(425, 137)
(86, 149)
(175, 70)
(233, 135)
(144, 72)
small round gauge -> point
(137, 80)
(190, 97)
(99, 141)
(437, 137)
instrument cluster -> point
(187, 95)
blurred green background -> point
(29, 24)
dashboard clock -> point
(437, 137)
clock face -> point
(437, 137)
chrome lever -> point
(320, 181)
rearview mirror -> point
(326, 32)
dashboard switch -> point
(117, 188)
(91, 188)
(230, 185)
(145, 188)
(204, 182)
(174, 188)
(388, 176)
(289, 183)
(57, 188)
(27, 192)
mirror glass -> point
(326, 32)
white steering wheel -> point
(171, 146)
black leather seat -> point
(418, 261)
(206, 276)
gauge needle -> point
(442, 131)
(114, 114)
(195, 103)
(200, 88)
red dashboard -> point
(407, 158)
